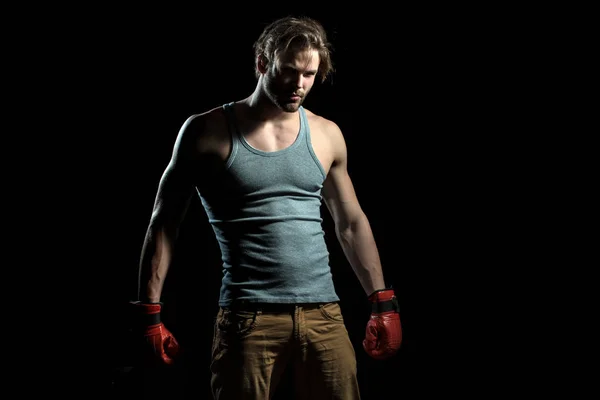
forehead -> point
(301, 59)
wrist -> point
(146, 314)
(381, 294)
(384, 300)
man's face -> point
(289, 79)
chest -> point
(272, 140)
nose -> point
(300, 81)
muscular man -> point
(262, 166)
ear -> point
(261, 64)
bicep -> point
(338, 190)
(174, 193)
(176, 184)
(340, 197)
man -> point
(261, 167)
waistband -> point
(272, 307)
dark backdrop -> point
(128, 78)
(428, 99)
(159, 72)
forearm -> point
(358, 244)
(156, 257)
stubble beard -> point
(271, 90)
(291, 107)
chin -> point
(290, 107)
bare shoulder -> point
(327, 140)
(324, 129)
(206, 132)
(205, 125)
(322, 124)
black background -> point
(110, 88)
(170, 69)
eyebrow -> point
(293, 66)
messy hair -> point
(299, 33)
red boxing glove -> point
(160, 344)
(384, 331)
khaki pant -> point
(253, 346)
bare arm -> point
(352, 227)
(171, 203)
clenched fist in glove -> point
(159, 343)
(384, 331)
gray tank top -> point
(265, 210)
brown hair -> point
(294, 32)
